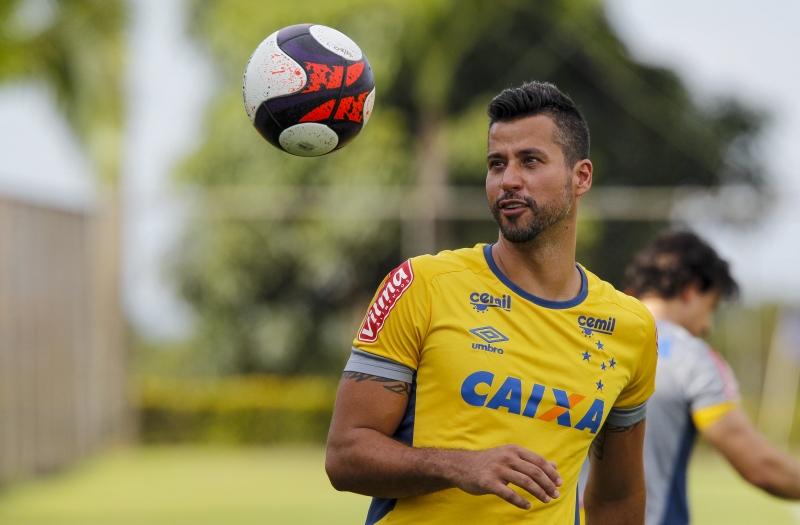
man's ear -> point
(689, 292)
(582, 175)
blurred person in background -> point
(500, 365)
(681, 279)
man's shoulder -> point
(677, 342)
(428, 267)
(613, 298)
(695, 365)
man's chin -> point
(518, 235)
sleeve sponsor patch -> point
(395, 285)
(729, 384)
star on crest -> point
(603, 366)
(599, 345)
(611, 363)
(586, 356)
(600, 385)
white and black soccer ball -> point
(308, 89)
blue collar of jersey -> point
(546, 303)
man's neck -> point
(666, 309)
(545, 266)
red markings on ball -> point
(353, 72)
(351, 108)
(319, 113)
(323, 76)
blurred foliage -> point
(76, 47)
(744, 334)
(236, 410)
(287, 296)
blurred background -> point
(177, 297)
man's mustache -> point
(508, 196)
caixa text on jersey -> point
(478, 390)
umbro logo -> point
(489, 334)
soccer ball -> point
(308, 89)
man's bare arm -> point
(616, 492)
(753, 457)
(362, 457)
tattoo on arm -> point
(392, 385)
(598, 445)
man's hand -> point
(362, 457)
(490, 471)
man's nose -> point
(512, 178)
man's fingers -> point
(537, 477)
(511, 496)
(495, 468)
(548, 467)
(526, 483)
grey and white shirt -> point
(692, 383)
(694, 387)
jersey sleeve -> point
(711, 389)
(643, 381)
(397, 320)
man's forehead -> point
(534, 132)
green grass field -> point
(238, 486)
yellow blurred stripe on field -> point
(238, 393)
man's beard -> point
(542, 217)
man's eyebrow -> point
(520, 153)
(531, 151)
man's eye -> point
(495, 164)
(531, 160)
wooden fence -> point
(62, 363)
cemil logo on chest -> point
(481, 302)
(590, 325)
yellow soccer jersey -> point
(491, 364)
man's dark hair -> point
(542, 98)
(675, 260)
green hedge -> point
(236, 410)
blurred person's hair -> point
(543, 98)
(675, 260)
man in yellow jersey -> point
(480, 377)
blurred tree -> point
(76, 47)
(280, 296)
